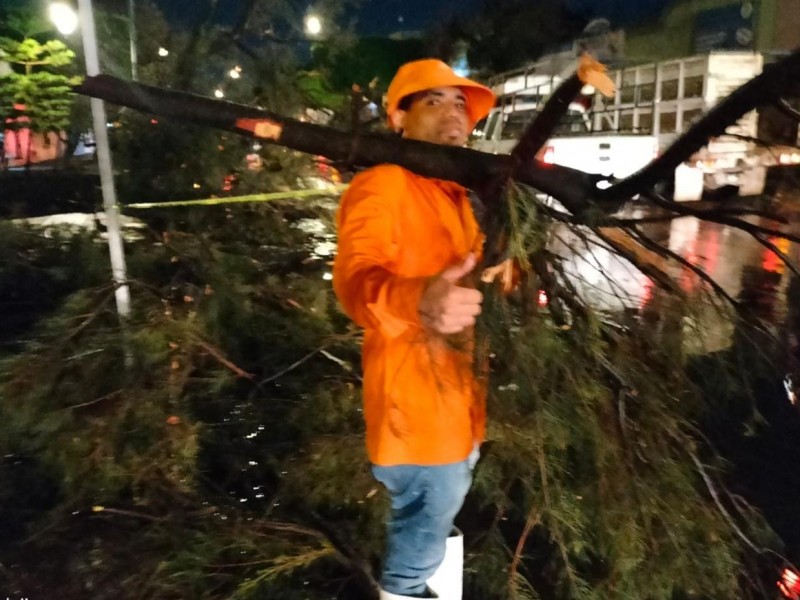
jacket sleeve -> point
(365, 274)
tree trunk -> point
(488, 174)
(471, 168)
(576, 190)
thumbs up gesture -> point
(446, 307)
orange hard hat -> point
(421, 75)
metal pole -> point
(132, 35)
(115, 247)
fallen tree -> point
(599, 481)
(489, 175)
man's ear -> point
(398, 120)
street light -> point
(235, 72)
(163, 52)
(313, 25)
(63, 17)
(219, 93)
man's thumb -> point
(456, 272)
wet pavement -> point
(756, 427)
(742, 266)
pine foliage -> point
(599, 482)
(227, 460)
(39, 97)
(203, 469)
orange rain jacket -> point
(422, 403)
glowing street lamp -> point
(219, 93)
(67, 20)
(63, 17)
(235, 72)
(313, 25)
(163, 52)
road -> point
(741, 265)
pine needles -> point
(594, 445)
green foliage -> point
(227, 460)
(37, 271)
(206, 463)
(42, 94)
(595, 457)
(29, 53)
(365, 61)
(213, 446)
(158, 159)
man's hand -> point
(446, 307)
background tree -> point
(509, 33)
(272, 54)
(36, 95)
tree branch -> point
(788, 109)
(473, 169)
(542, 128)
(716, 217)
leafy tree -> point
(36, 95)
(162, 159)
(367, 62)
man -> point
(405, 243)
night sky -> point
(381, 17)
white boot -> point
(448, 580)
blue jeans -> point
(425, 502)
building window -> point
(647, 85)
(645, 123)
(693, 87)
(626, 121)
(669, 89)
(627, 95)
(647, 93)
(668, 122)
(690, 117)
(516, 123)
(491, 126)
(669, 82)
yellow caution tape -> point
(270, 197)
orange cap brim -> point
(427, 74)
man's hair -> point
(406, 101)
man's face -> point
(438, 115)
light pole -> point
(116, 249)
(132, 35)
